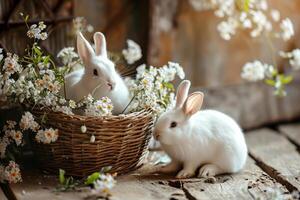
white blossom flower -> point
(275, 14)
(245, 20)
(67, 55)
(269, 71)
(35, 31)
(239, 14)
(43, 36)
(294, 58)
(62, 100)
(102, 107)
(261, 23)
(17, 136)
(132, 53)
(64, 109)
(104, 184)
(152, 87)
(83, 129)
(227, 28)
(72, 104)
(47, 136)
(254, 71)
(287, 29)
(1, 55)
(178, 68)
(12, 173)
(42, 25)
(201, 5)
(9, 125)
(80, 25)
(27, 122)
(11, 64)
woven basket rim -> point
(147, 112)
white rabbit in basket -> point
(99, 76)
(207, 139)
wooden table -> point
(272, 170)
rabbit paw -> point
(169, 168)
(185, 174)
(209, 170)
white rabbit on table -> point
(207, 139)
(99, 76)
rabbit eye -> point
(173, 125)
(95, 72)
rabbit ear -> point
(100, 44)
(85, 50)
(193, 103)
(182, 92)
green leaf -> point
(168, 85)
(26, 18)
(92, 178)
(243, 5)
(46, 59)
(270, 82)
(61, 176)
(37, 50)
(286, 79)
(246, 5)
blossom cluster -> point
(258, 19)
(252, 15)
(80, 25)
(104, 183)
(12, 134)
(10, 173)
(133, 52)
(93, 107)
(36, 31)
(67, 55)
(294, 58)
(256, 71)
(47, 136)
(152, 87)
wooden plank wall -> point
(58, 15)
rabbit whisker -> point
(96, 88)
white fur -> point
(108, 82)
(208, 139)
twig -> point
(128, 104)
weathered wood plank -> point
(135, 187)
(292, 131)
(2, 195)
(276, 155)
(36, 186)
(251, 183)
(254, 104)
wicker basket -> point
(121, 142)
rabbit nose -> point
(111, 85)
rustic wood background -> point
(57, 14)
(171, 30)
(174, 30)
